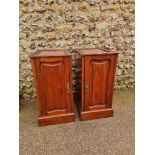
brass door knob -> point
(86, 87)
(68, 88)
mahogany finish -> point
(97, 80)
(53, 78)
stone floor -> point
(109, 136)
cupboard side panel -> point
(82, 84)
(79, 75)
(112, 80)
(38, 85)
(87, 82)
(68, 77)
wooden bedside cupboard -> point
(96, 85)
(52, 70)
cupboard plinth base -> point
(90, 115)
(53, 120)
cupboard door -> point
(99, 78)
(55, 85)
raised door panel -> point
(98, 81)
(54, 84)
(53, 76)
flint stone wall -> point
(72, 24)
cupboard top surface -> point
(94, 51)
(50, 53)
